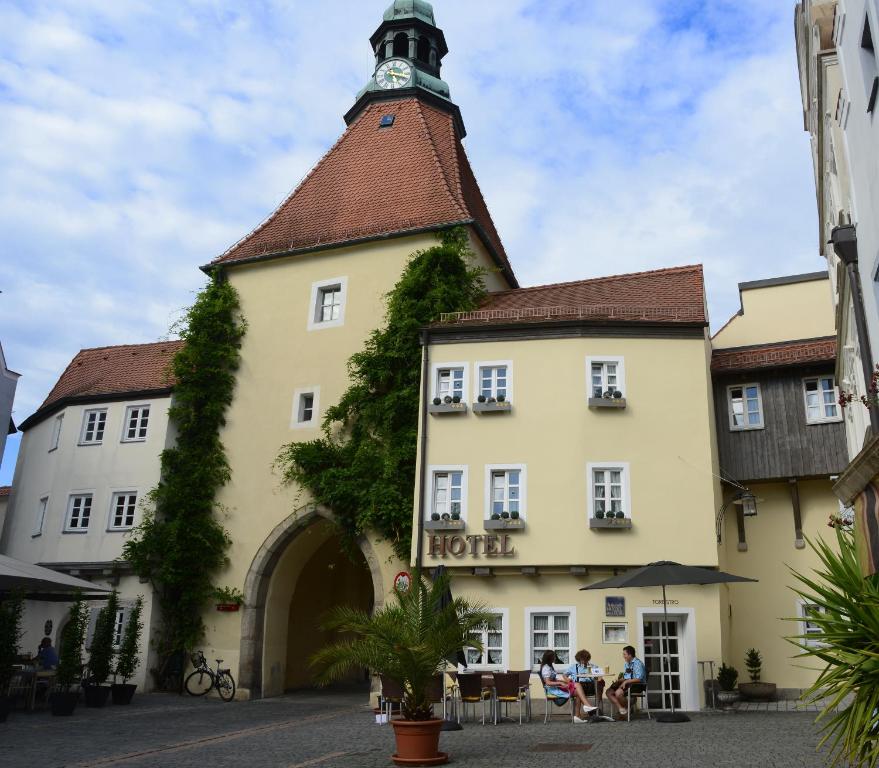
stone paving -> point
(336, 730)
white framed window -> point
(306, 408)
(94, 421)
(40, 516)
(118, 627)
(505, 486)
(608, 490)
(495, 380)
(327, 306)
(808, 612)
(745, 404)
(550, 629)
(137, 419)
(449, 490)
(605, 374)
(56, 432)
(494, 639)
(450, 380)
(822, 400)
(613, 633)
(123, 505)
(79, 512)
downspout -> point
(425, 393)
(845, 243)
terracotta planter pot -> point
(418, 742)
(122, 692)
(63, 704)
(757, 691)
(96, 695)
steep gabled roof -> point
(778, 355)
(379, 182)
(110, 372)
(673, 295)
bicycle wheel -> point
(226, 686)
(198, 683)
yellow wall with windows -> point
(777, 313)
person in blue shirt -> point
(634, 673)
(47, 658)
(582, 675)
(562, 687)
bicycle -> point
(203, 679)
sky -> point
(140, 138)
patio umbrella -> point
(459, 657)
(41, 583)
(662, 574)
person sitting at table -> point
(46, 657)
(561, 686)
(581, 673)
(634, 673)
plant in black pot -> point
(756, 690)
(481, 399)
(505, 515)
(435, 516)
(11, 609)
(617, 394)
(437, 401)
(447, 399)
(456, 399)
(101, 653)
(514, 515)
(726, 679)
(495, 516)
(128, 658)
(502, 398)
(64, 698)
(620, 515)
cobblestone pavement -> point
(338, 731)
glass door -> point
(662, 657)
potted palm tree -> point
(64, 698)
(128, 659)
(101, 654)
(408, 641)
(11, 609)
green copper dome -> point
(410, 9)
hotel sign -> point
(488, 545)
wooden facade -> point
(787, 446)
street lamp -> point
(746, 500)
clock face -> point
(394, 73)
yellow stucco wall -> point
(801, 310)
(758, 610)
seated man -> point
(634, 673)
(582, 675)
(46, 657)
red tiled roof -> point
(672, 295)
(4, 490)
(379, 181)
(777, 355)
(115, 371)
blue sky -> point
(140, 138)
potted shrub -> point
(456, 515)
(492, 400)
(63, 699)
(617, 394)
(11, 609)
(408, 640)
(607, 395)
(514, 514)
(447, 399)
(756, 690)
(446, 516)
(505, 515)
(101, 654)
(228, 599)
(726, 679)
(435, 516)
(502, 398)
(456, 399)
(620, 515)
(129, 658)
(437, 401)
(495, 516)
(599, 515)
(480, 399)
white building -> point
(88, 457)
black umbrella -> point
(459, 657)
(662, 574)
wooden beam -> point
(740, 524)
(799, 540)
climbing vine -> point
(363, 467)
(181, 545)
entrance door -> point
(663, 656)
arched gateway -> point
(279, 594)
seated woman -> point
(561, 686)
(581, 673)
(634, 673)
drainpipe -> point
(845, 243)
(425, 393)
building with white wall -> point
(8, 383)
(88, 458)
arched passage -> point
(300, 552)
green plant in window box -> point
(505, 515)
(456, 515)
(502, 398)
(620, 515)
(435, 516)
(456, 399)
(495, 516)
(514, 514)
(437, 401)
(599, 514)
(447, 399)
(229, 596)
(617, 394)
(481, 399)
(446, 516)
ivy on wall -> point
(363, 468)
(180, 545)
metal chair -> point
(392, 693)
(437, 692)
(637, 691)
(551, 698)
(507, 690)
(472, 691)
(525, 687)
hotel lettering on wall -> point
(488, 545)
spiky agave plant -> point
(408, 640)
(847, 612)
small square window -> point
(495, 380)
(137, 418)
(79, 511)
(449, 382)
(327, 309)
(606, 376)
(387, 121)
(306, 408)
(745, 407)
(822, 400)
(93, 423)
(122, 510)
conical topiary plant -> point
(129, 649)
(70, 658)
(754, 663)
(11, 610)
(101, 652)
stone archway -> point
(258, 580)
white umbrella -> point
(16, 574)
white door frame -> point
(687, 644)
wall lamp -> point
(746, 500)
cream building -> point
(88, 456)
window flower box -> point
(450, 408)
(496, 407)
(444, 525)
(607, 402)
(610, 522)
(505, 524)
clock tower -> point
(409, 49)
